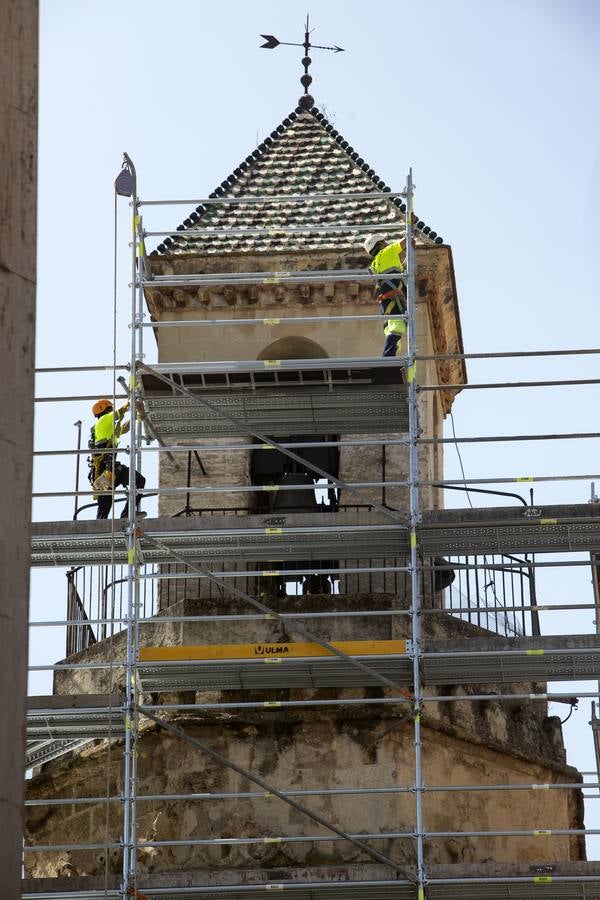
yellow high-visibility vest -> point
(389, 259)
(107, 428)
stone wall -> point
(315, 752)
(464, 743)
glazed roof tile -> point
(303, 155)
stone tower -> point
(339, 737)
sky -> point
(493, 104)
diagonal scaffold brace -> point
(268, 788)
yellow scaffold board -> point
(270, 651)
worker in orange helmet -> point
(105, 471)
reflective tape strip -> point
(273, 530)
(272, 702)
(271, 321)
(542, 879)
(272, 840)
(421, 894)
(131, 556)
(268, 447)
(535, 652)
(270, 487)
(418, 719)
(271, 280)
(270, 616)
(540, 832)
(413, 539)
(268, 794)
(411, 372)
(132, 383)
(548, 521)
(141, 250)
(268, 574)
(540, 787)
(526, 478)
(271, 363)
(538, 696)
(271, 661)
(136, 221)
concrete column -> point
(18, 163)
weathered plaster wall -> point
(313, 752)
(18, 170)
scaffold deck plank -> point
(273, 674)
(39, 752)
(526, 890)
(276, 398)
(355, 534)
(504, 660)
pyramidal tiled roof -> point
(303, 155)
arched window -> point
(293, 347)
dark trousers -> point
(121, 480)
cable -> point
(462, 468)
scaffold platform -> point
(264, 666)
(39, 752)
(275, 397)
(355, 534)
(521, 882)
(57, 724)
(352, 535)
(472, 661)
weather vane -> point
(306, 101)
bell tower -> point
(287, 737)
(250, 226)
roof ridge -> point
(266, 146)
(379, 182)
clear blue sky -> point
(494, 105)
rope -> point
(112, 563)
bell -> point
(295, 501)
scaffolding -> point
(184, 407)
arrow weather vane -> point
(271, 42)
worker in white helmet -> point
(388, 259)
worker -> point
(106, 472)
(388, 260)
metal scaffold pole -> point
(130, 788)
(414, 517)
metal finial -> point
(306, 101)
